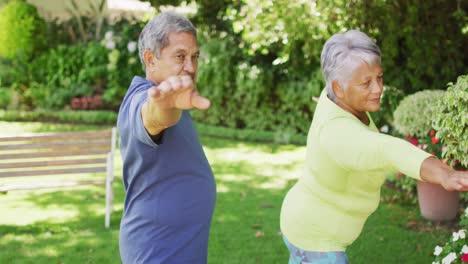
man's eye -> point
(180, 57)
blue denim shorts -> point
(299, 256)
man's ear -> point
(337, 89)
(149, 58)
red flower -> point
(414, 141)
(399, 175)
(464, 257)
(409, 137)
(75, 103)
(432, 133)
(434, 140)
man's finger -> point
(200, 102)
(154, 92)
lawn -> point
(67, 225)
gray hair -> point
(341, 55)
(155, 35)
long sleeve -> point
(353, 146)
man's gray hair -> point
(343, 53)
(155, 35)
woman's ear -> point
(337, 89)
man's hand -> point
(166, 101)
(177, 92)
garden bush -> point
(66, 72)
(5, 97)
(22, 30)
(413, 116)
(123, 61)
(451, 120)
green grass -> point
(67, 225)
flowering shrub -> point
(455, 250)
(86, 102)
(413, 118)
(429, 143)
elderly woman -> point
(347, 157)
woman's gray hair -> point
(343, 53)
(155, 35)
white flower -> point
(132, 46)
(437, 250)
(456, 236)
(384, 129)
(464, 249)
(109, 35)
(110, 44)
(461, 233)
(449, 258)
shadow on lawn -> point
(78, 239)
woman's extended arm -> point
(434, 170)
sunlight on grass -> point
(266, 168)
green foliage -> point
(23, 30)
(410, 33)
(286, 34)
(414, 114)
(216, 79)
(76, 117)
(389, 101)
(454, 250)
(66, 72)
(451, 120)
(123, 61)
(5, 97)
(244, 95)
(294, 104)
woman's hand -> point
(456, 181)
(435, 171)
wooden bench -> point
(45, 154)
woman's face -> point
(364, 90)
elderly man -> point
(170, 188)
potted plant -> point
(413, 118)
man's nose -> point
(189, 65)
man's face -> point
(180, 57)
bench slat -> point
(52, 172)
(12, 187)
(59, 145)
(31, 164)
(62, 135)
(53, 154)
